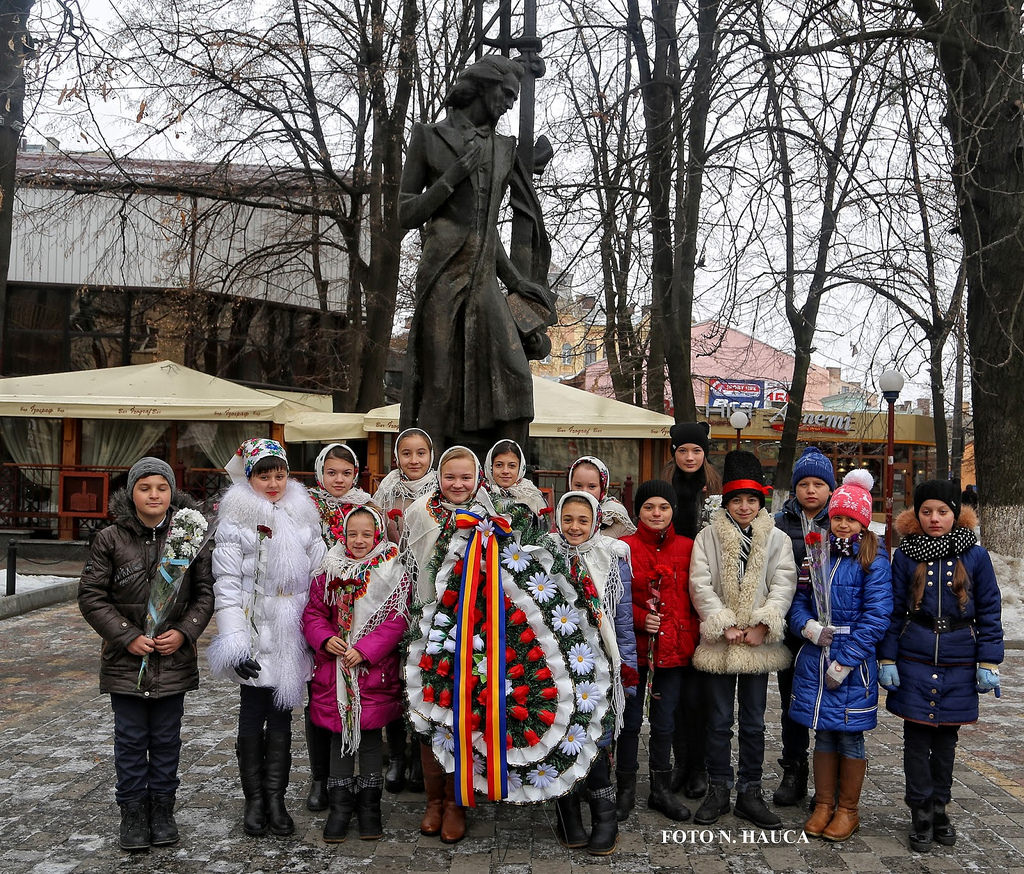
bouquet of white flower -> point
(186, 539)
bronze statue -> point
(467, 376)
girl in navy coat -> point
(943, 647)
(835, 688)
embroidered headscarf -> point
(354, 495)
(396, 488)
(522, 491)
(239, 468)
(612, 511)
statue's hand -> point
(533, 291)
(466, 163)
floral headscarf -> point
(602, 470)
(411, 432)
(595, 525)
(239, 468)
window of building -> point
(567, 354)
(589, 354)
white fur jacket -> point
(259, 615)
(723, 600)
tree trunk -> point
(984, 84)
(15, 47)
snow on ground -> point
(32, 582)
(1010, 574)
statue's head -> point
(494, 79)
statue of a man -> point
(467, 378)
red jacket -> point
(651, 553)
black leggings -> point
(257, 709)
(370, 752)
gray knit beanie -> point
(150, 466)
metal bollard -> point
(12, 566)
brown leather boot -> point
(851, 780)
(826, 777)
(433, 785)
(453, 823)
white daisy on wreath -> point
(574, 739)
(543, 775)
(587, 696)
(485, 527)
(581, 659)
(515, 782)
(565, 619)
(513, 557)
(444, 738)
(542, 587)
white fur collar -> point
(739, 596)
(247, 509)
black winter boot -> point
(794, 783)
(664, 800)
(318, 747)
(942, 829)
(569, 821)
(163, 830)
(368, 813)
(922, 823)
(134, 834)
(715, 803)
(339, 814)
(696, 783)
(604, 827)
(751, 807)
(625, 794)
(277, 763)
(250, 767)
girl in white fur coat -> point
(268, 545)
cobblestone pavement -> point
(57, 813)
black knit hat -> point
(742, 473)
(653, 488)
(690, 432)
(943, 490)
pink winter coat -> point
(380, 690)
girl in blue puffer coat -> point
(842, 616)
(943, 647)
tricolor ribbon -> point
(483, 545)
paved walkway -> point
(57, 813)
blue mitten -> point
(987, 680)
(888, 677)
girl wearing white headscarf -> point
(358, 601)
(337, 470)
(600, 570)
(590, 474)
(412, 477)
(505, 472)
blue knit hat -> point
(814, 462)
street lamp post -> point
(739, 420)
(891, 384)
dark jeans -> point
(147, 744)
(928, 754)
(665, 695)
(751, 690)
(691, 723)
(257, 709)
(796, 738)
(370, 752)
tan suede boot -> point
(851, 780)
(433, 785)
(826, 776)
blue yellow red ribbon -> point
(483, 545)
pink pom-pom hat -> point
(853, 497)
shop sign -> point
(735, 393)
(816, 423)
